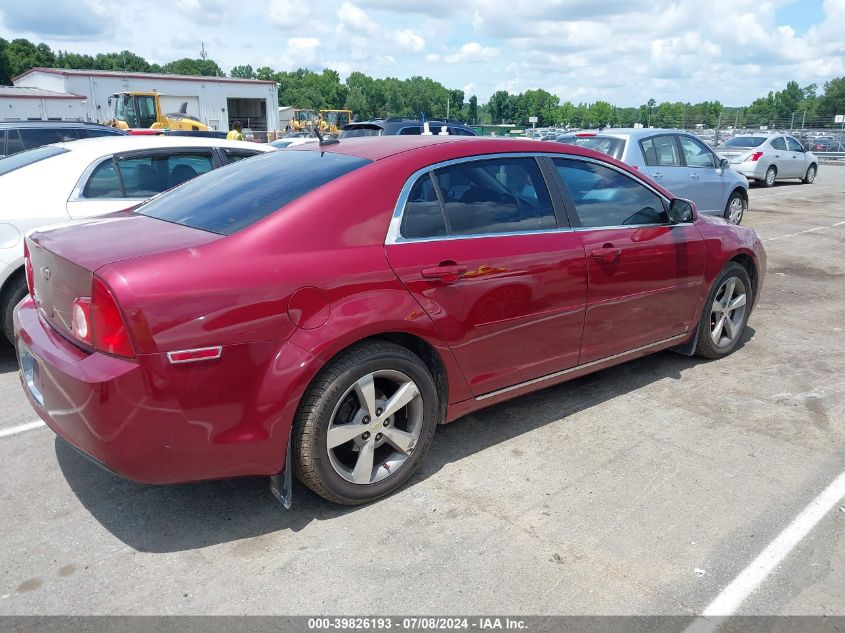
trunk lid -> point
(65, 257)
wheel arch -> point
(747, 262)
(17, 274)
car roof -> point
(53, 124)
(380, 147)
(105, 145)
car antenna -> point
(322, 141)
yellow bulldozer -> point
(143, 110)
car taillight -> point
(30, 277)
(755, 157)
(107, 328)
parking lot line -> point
(818, 228)
(21, 428)
(732, 596)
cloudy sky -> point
(623, 51)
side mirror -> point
(681, 211)
(724, 164)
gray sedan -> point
(767, 158)
(680, 162)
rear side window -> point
(660, 151)
(605, 197)
(461, 131)
(779, 143)
(22, 159)
(234, 155)
(227, 200)
(145, 176)
(483, 197)
(414, 130)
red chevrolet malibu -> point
(318, 311)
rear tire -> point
(346, 446)
(15, 291)
(771, 175)
(735, 208)
(810, 176)
(725, 312)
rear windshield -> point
(352, 132)
(22, 159)
(233, 197)
(744, 141)
(609, 145)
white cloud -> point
(204, 11)
(301, 52)
(288, 14)
(472, 53)
(409, 41)
(355, 20)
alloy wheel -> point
(811, 175)
(727, 313)
(736, 209)
(375, 427)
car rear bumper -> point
(752, 171)
(157, 423)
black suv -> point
(17, 136)
(397, 125)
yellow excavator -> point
(303, 120)
(143, 110)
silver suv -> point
(680, 162)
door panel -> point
(646, 293)
(707, 180)
(797, 158)
(515, 310)
(662, 162)
(644, 275)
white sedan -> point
(90, 177)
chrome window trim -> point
(395, 237)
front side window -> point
(696, 153)
(660, 151)
(414, 130)
(605, 197)
(500, 195)
(793, 145)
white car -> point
(90, 177)
(767, 158)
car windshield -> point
(609, 145)
(744, 141)
(22, 159)
(231, 198)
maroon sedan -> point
(320, 310)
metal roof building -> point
(216, 101)
(22, 104)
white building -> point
(27, 104)
(216, 101)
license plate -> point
(31, 373)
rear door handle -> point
(657, 175)
(607, 253)
(447, 273)
(695, 176)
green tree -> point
(833, 101)
(5, 67)
(243, 72)
(472, 110)
(187, 66)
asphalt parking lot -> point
(644, 489)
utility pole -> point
(203, 54)
(736, 123)
(804, 118)
(447, 107)
(718, 126)
(792, 122)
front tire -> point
(365, 424)
(15, 291)
(770, 177)
(735, 208)
(810, 176)
(725, 313)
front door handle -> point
(447, 273)
(695, 176)
(657, 175)
(607, 253)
